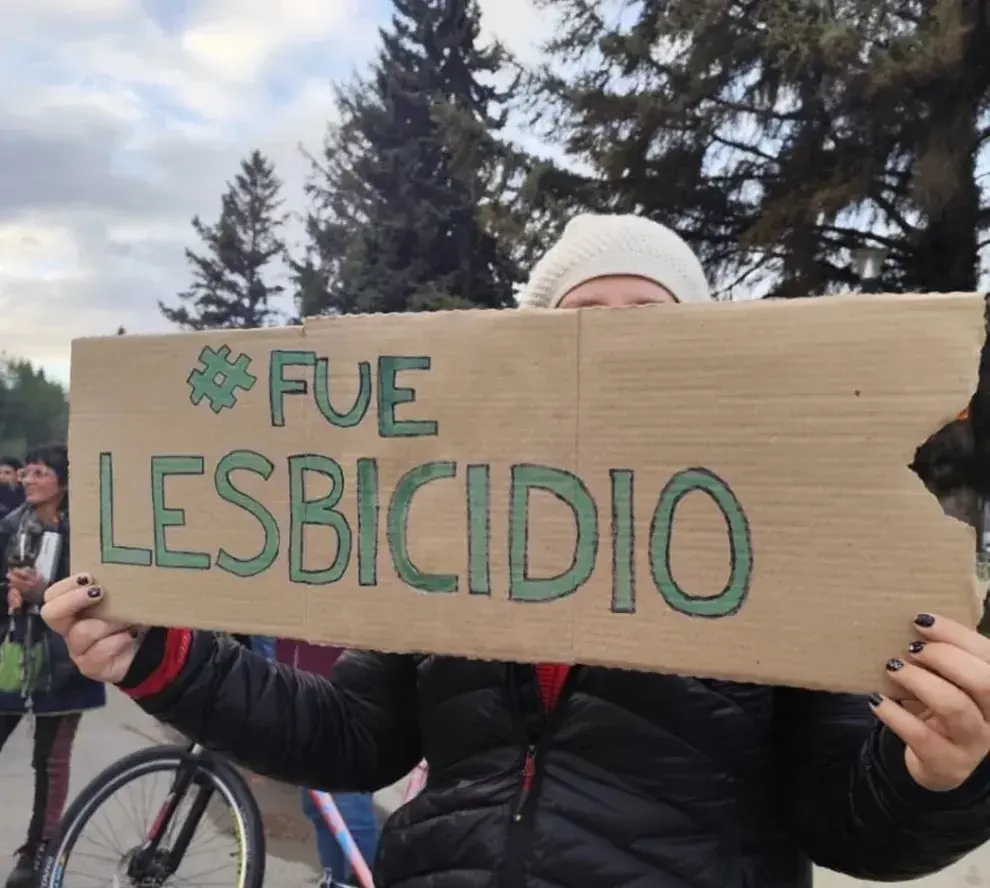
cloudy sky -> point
(121, 119)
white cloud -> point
(236, 39)
(518, 25)
(118, 124)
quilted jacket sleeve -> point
(355, 733)
(847, 792)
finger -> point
(60, 613)
(958, 712)
(915, 707)
(109, 658)
(69, 584)
(928, 745)
(932, 760)
(932, 627)
(961, 668)
(84, 633)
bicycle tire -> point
(224, 777)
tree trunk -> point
(947, 256)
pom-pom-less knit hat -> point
(594, 246)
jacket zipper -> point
(521, 828)
(529, 774)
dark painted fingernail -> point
(916, 647)
(82, 580)
(95, 592)
(925, 621)
(875, 700)
(893, 665)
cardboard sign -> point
(714, 490)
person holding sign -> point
(586, 776)
(36, 674)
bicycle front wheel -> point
(103, 799)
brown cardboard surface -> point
(800, 418)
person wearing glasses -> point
(51, 687)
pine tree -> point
(411, 192)
(33, 408)
(231, 287)
(780, 137)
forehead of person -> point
(615, 261)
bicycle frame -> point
(146, 860)
(147, 866)
(335, 823)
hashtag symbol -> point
(218, 378)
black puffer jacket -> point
(641, 781)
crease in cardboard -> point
(578, 379)
(309, 439)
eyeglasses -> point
(37, 473)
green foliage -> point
(778, 137)
(33, 408)
(411, 195)
(229, 288)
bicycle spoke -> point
(112, 859)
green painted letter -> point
(398, 531)
(391, 395)
(367, 521)
(279, 386)
(623, 543)
(321, 512)
(321, 391)
(163, 517)
(110, 552)
(571, 491)
(731, 598)
(248, 461)
(479, 517)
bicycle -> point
(197, 775)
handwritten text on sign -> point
(305, 374)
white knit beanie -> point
(594, 246)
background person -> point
(11, 490)
(60, 694)
(263, 645)
(357, 809)
(587, 776)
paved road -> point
(123, 728)
(103, 738)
